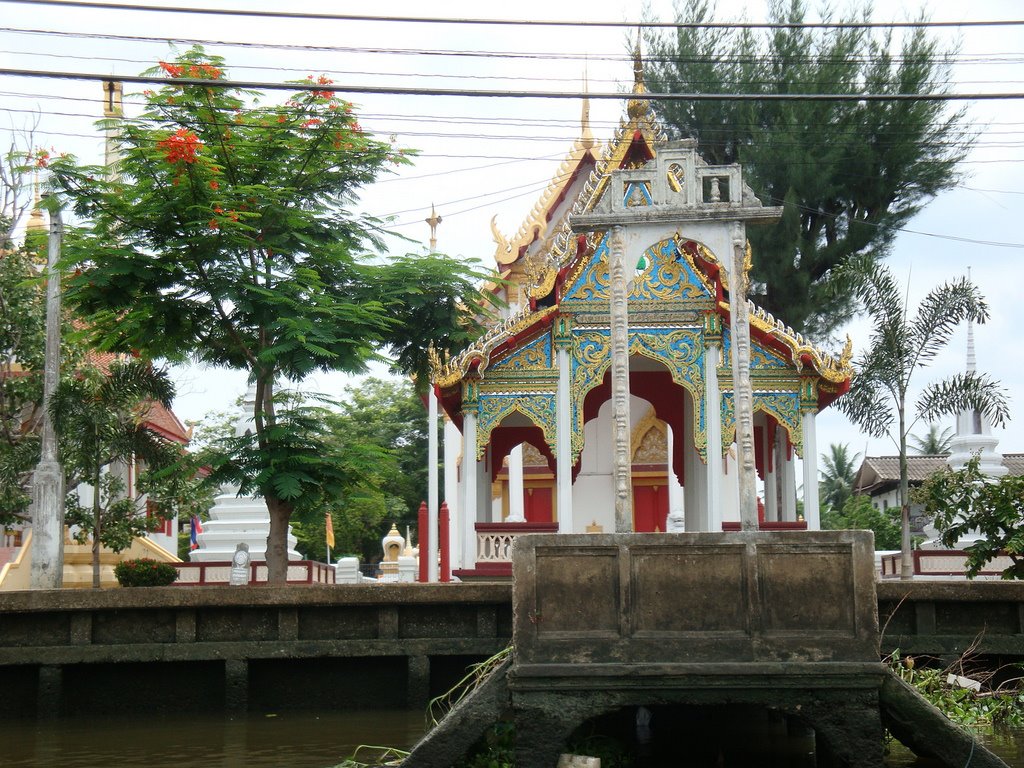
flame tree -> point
(227, 237)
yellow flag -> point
(330, 530)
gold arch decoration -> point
(650, 440)
(537, 407)
(784, 407)
(680, 350)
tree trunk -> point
(277, 540)
(96, 530)
(906, 564)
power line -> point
(509, 94)
(988, 58)
(303, 15)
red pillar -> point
(423, 532)
(443, 523)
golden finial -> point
(637, 107)
(433, 221)
(586, 137)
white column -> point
(622, 469)
(516, 511)
(771, 477)
(675, 491)
(469, 490)
(811, 512)
(432, 488)
(563, 406)
(787, 472)
(453, 491)
(713, 425)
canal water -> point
(286, 740)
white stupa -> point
(238, 519)
(974, 432)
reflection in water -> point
(293, 739)
(319, 740)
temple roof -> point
(545, 253)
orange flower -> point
(181, 146)
(214, 224)
(214, 185)
(174, 70)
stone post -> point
(563, 407)
(713, 418)
(430, 551)
(48, 479)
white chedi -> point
(238, 519)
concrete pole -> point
(564, 446)
(622, 460)
(48, 479)
(432, 489)
(743, 396)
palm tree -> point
(838, 475)
(98, 418)
(934, 442)
(877, 400)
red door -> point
(650, 508)
(537, 505)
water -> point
(288, 740)
(1007, 743)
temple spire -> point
(113, 110)
(636, 108)
(586, 136)
(972, 363)
(433, 221)
(36, 222)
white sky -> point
(482, 157)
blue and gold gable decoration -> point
(558, 284)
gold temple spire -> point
(586, 136)
(637, 107)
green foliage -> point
(966, 501)
(1000, 705)
(848, 173)
(858, 514)
(144, 572)
(228, 238)
(899, 346)
(838, 476)
(99, 420)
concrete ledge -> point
(255, 595)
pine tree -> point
(848, 173)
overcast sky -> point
(486, 157)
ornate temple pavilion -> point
(529, 405)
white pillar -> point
(675, 491)
(713, 422)
(739, 314)
(771, 477)
(811, 512)
(453, 491)
(516, 511)
(787, 472)
(432, 489)
(563, 459)
(469, 490)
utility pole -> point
(48, 478)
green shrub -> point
(144, 572)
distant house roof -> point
(878, 474)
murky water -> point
(288, 740)
(1007, 743)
